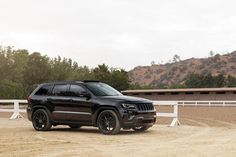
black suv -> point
(88, 103)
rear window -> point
(44, 90)
(60, 90)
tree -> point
(231, 81)
(219, 81)
(119, 79)
(211, 53)
(176, 58)
(152, 63)
(6, 62)
(207, 81)
(193, 81)
(20, 58)
(158, 84)
(82, 73)
(61, 69)
(37, 71)
(135, 86)
(21, 72)
(102, 73)
(9, 89)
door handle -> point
(73, 100)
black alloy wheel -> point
(108, 122)
(41, 121)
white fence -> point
(176, 104)
(174, 114)
(208, 103)
(16, 107)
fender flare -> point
(102, 108)
(41, 107)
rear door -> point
(59, 102)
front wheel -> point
(140, 128)
(108, 122)
(41, 120)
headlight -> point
(129, 106)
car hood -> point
(127, 99)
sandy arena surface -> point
(18, 138)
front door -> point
(80, 108)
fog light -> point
(131, 117)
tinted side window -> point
(76, 90)
(44, 90)
(60, 90)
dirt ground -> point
(204, 132)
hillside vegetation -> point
(21, 72)
(176, 74)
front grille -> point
(145, 107)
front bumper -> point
(139, 118)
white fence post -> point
(174, 114)
(175, 121)
(16, 113)
(16, 110)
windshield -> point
(102, 89)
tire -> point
(141, 128)
(108, 122)
(74, 126)
(41, 120)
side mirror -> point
(85, 94)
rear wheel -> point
(140, 128)
(41, 121)
(108, 122)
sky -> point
(119, 33)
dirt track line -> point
(226, 124)
(203, 131)
(230, 125)
(196, 122)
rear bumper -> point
(134, 119)
(29, 113)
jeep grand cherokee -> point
(88, 103)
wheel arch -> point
(103, 108)
(35, 108)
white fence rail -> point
(16, 107)
(208, 103)
(175, 104)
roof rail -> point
(91, 81)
